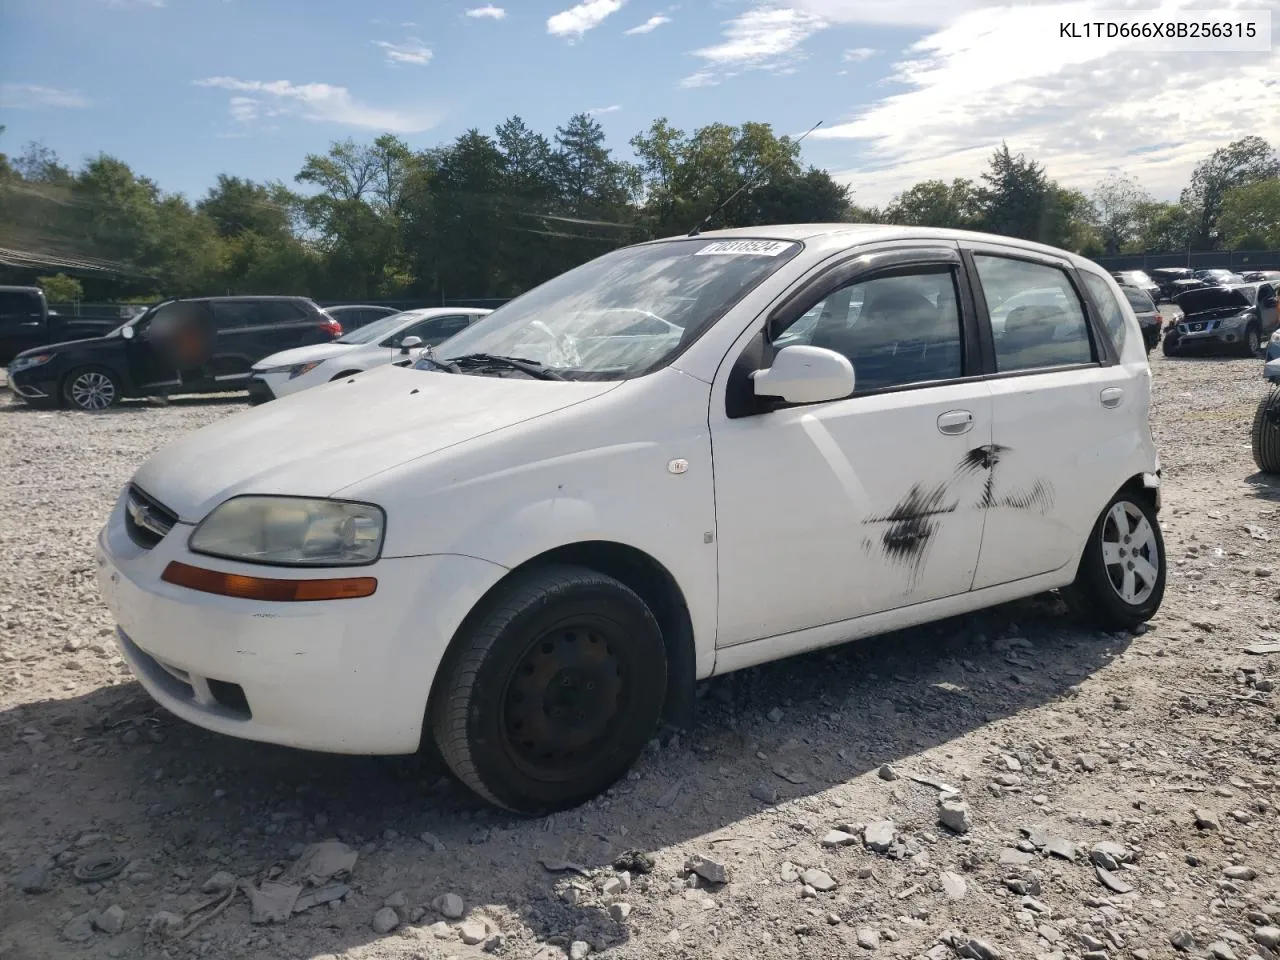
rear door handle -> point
(1111, 396)
(955, 422)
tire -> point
(91, 389)
(1170, 347)
(1251, 345)
(495, 728)
(1265, 435)
(1104, 592)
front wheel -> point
(1120, 581)
(552, 691)
(1169, 347)
(1251, 343)
(91, 389)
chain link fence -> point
(1235, 260)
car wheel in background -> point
(91, 389)
(551, 690)
(1252, 342)
(1169, 346)
(1120, 581)
(1266, 432)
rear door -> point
(243, 335)
(1060, 412)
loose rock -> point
(820, 880)
(449, 905)
(473, 932)
(878, 836)
(110, 920)
(220, 882)
(708, 870)
(385, 920)
(868, 939)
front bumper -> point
(1210, 335)
(338, 676)
(259, 391)
(34, 385)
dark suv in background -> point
(353, 316)
(129, 362)
(26, 321)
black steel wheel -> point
(550, 693)
(1265, 435)
(1170, 347)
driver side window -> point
(896, 330)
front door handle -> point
(955, 422)
(1111, 397)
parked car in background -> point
(371, 346)
(525, 553)
(134, 360)
(1165, 277)
(353, 316)
(1148, 314)
(1217, 276)
(1239, 318)
(1139, 279)
(26, 322)
(1261, 276)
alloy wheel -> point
(1130, 553)
(92, 390)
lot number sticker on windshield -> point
(755, 248)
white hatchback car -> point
(529, 547)
(372, 345)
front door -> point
(830, 511)
(1063, 422)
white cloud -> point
(766, 38)
(33, 96)
(244, 109)
(588, 15)
(319, 102)
(1081, 108)
(650, 25)
(411, 51)
(488, 12)
(596, 111)
(858, 54)
(703, 78)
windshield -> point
(626, 313)
(378, 329)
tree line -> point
(491, 215)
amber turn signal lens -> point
(261, 588)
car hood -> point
(317, 442)
(1212, 299)
(110, 343)
(315, 352)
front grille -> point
(146, 519)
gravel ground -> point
(1115, 794)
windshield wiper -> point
(532, 367)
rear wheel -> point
(91, 389)
(1120, 581)
(552, 692)
(1266, 432)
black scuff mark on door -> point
(1039, 496)
(984, 457)
(911, 525)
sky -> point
(906, 90)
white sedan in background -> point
(370, 346)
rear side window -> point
(1109, 308)
(1140, 302)
(1037, 319)
(16, 306)
(279, 311)
(235, 314)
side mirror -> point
(128, 333)
(803, 374)
(410, 343)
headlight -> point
(294, 370)
(25, 363)
(292, 531)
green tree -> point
(60, 288)
(238, 206)
(1238, 164)
(1116, 202)
(1160, 228)
(1015, 200)
(936, 203)
(1251, 215)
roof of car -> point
(864, 232)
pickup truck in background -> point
(26, 321)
